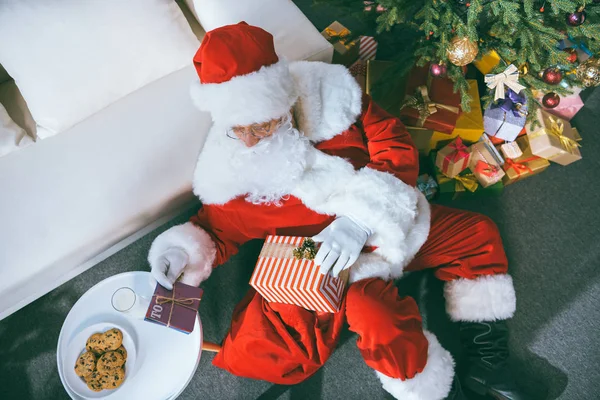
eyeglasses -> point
(259, 131)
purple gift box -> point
(175, 308)
(506, 118)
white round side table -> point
(166, 359)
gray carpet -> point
(550, 225)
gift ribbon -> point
(460, 152)
(575, 45)
(425, 106)
(486, 169)
(428, 187)
(513, 102)
(462, 182)
(520, 167)
(510, 78)
(555, 128)
(185, 302)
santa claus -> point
(296, 149)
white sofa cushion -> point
(72, 58)
(295, 36)
(11, 135)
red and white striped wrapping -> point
(281, 278)
(367, 48)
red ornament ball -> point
(552, 76)
(577, 18)
(572, 57)
(551, 100)
(438, 70)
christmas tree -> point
(450, 34)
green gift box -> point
(463, 185)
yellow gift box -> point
(469, 126)
(487, 62)
(345, 52)
(524, 166)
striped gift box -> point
(367, 48)
(281, 278)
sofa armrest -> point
(295, 36)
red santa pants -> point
(285, 344)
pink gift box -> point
(568, 106)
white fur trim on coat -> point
(397, 214)
(485, 298)
(329, 99)
(252, 98)
(433, 383)
(195, 242)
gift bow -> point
(486, 169)
(513, 102)
(556, 128)
(185, 302)
(519, 167)
(460, 151)
(510, 78)
(462, 182)
(333, 34)
(425, 106)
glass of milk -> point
(126, 300)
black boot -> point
(486, 345)
(456, 392)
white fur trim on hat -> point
(247, 99)
(195, 242)
(485, 298)
(433, 383)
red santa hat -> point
(242, 80)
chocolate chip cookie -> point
(113, 339)
(112, 380)
(85, 364)
(122, 351)
(96, 343)
(109, 362)
(93, 381)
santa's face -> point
(250, 135)
(272, 165)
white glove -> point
(343, 241)
(169, 266)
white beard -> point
(272, 167)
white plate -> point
(77, 346)
(178, 354)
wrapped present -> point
(463, 185)
(345, 50)
(427, 185)
(486, 163)
(506, 118)
(487, 62)
(583, 53)
(469, 125)
(569, 105)
(286, 273)
(359, 71)
(367, 48)
(525, 166)
(453, 158)
(430, 103)
(556, 140)
(421, 138)
(387, 91)
(497, 141)
(175, 308)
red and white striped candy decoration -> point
(367, 48)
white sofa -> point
(71, 200)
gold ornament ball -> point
(589, 72)
(462, 51)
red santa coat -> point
(363, 164)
